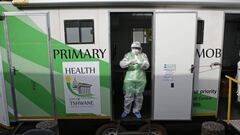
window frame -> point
(200, 31)
(143, 31)
(79, 28)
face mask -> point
(135, 51)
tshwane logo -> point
(78, 88)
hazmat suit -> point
(135, 79)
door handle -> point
(14, 70)
(192, 68)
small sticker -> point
(169, 72)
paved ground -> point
(236, 124)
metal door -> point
(174, 47)
(30, 65)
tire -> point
(52, 125)
(109, 129)
(155, 129)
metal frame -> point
(152, 45)
(10, 67)
(194, 61)
(154, 36)
(25, 13)
(230, 80)
(153, 62)
(110, 61)
(3, 94)
(80, 36)
(109, 45)
(87, 3)
(231, 11)
(11, 75)
(221, 60)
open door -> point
(30, 65)
(127, 27)
(230, 62)
(174, 48)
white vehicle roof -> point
(213, 3)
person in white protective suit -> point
(135, 79)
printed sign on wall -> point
(169, 71)
(206, 74)
(82, 87)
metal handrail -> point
(230, 80)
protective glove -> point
(125, 63)
(134, 61)
(145, 65)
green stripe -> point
(29, 44)
(7, 88)
(204, 104)
(24, 105)
(36, 72)
(40, 92)
(39, 96)
(32, 70)
(35, 49)
(105, 101)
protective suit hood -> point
(136, 47)
(136, 44)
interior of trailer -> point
(126, 28)
(230, 58)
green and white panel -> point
(29, 52)
(206, 75)
(31, 82)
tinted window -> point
(79, 31)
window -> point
(200, 31)
(143, 35)
(79, 31)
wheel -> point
(109, 129)
(155, 129)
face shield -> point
(136, 50)
(136, 47)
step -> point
(236, 124)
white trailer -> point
(46, 46)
